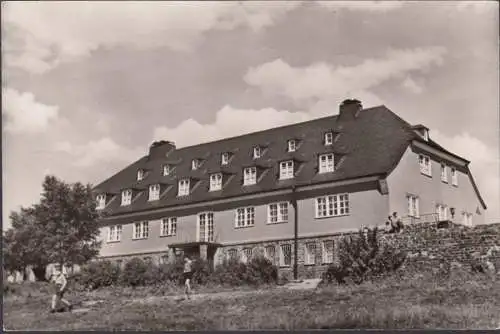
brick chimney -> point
(160, 149)
(349, 109)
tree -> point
(62, 228)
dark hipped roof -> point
(371, 144)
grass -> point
(471, 302)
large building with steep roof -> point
(287, 193)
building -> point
(287, 193)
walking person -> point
(188, 274)
(60, 284)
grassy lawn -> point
(417, 303)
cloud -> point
(41, 35)
(410, 85)
(228, 122)
(321, 80)
(98, 151)
(24, 114)
(373, 6)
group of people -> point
(60, 284)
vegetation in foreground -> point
(460, 300)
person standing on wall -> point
(188, 275)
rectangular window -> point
(215, 182)
(328, 138)
(225, 158)
(195, 163)
(183, 187)
(413, 206)
(101, 201)
(310, 253)
(292, 145)
(270, 253)
(126, 197)
(327, 251)
(166, 170)
(286, 170)
(154, 192)
(444, 173)
(249, 176)
(425, 164)
(246, 255)
(114, 233)
(206, 226)
(245, 217)
(168, 227)
(286, 255)
(332, 206)
(257, 152)
(232, 254)
(326, 163)
(141, 230)
(140, 175)
(442, 212)
(454, 177)
(277, 213)
(467, 218)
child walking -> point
(188, 274)
(60, 283)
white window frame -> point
(332, 205)
(168, 227)
(292, 145)
(267, 255)
(454, 177)
(224, 158)
(205, 219)
(246, 254)
(467, 218)
(115, 233)
(444, 173)
(257, 152)
(287, 170)
(154, 192)
(140, 175)
(327, 252)
(277, 213)
(126, 197)
(195, 164)
(442, 212)
(244, 217)
(425, 164)
(282, 255)
(249, 176)
(167, 170)
(101, 201)
(141, 230)
(310, 253)
(215, 181)
(326, 163)
(328, 138)
(413, 206)
(183, 188)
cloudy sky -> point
(88, 86)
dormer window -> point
(224, 158)
(154, 192)
(183, 187)
(216, 182)
(326, 163)
(292, 145)
(195, 164)
(167, 170)
(286, 170)
(257, 152)
(249, 176)
(140, 175)
(328, 138)
(101, 201)
(126, 197)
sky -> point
(88, 86)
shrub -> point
(257, 271)
(261, 271)
(364, 257)
(97, 274)
(229, 272)
(136, 273)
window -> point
(425, 164)
(292, 145)
(167, 170)
(101, 201)
(326, 163)
(327, 251)
(328, 138)
(286, 255)
(141, 230)
(114, 233)
(444, 173)
(332, 205)
(168, 227)
(245, 217)
(225, 158)
(413, 206)
(310, 253)
(154, 192)
(454, 177)
(183, 187)
(442, 212)
(249, 176)
(270, 253)
(216, 181)
(286, 170)
(140, 175)
(467, 218)
(206, 226)
(163, 259)
(232, 254)
(195, 163)
(126, 197)
(246, 255)
(257, 152)
(277, 213)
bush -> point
(136, 273)
(257, 271)
(363, 257)
(261, 271)
(97, 274)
